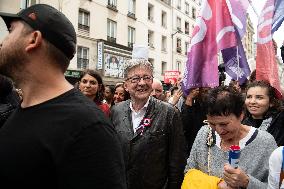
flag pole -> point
(238, 61)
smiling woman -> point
(264, 110)
(210, 150)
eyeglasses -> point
(136, 79)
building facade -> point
(248, 41)
(170, 24)
(107, 29)
(184, 13)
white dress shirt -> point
(139, 115)
(242, 142)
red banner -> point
(171, 77)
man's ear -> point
(34, 40)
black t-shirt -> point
(65, 142)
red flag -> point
(266, 66)
(213, 31)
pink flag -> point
(266, 66)
(213, 31)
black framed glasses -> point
(136, 78)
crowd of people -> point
(130, 135)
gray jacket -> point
(253, 160)
(154, 159)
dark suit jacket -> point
(155, 158)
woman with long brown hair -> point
(91, 85)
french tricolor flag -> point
(271, 18)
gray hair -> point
(129, 65)
(157, 81)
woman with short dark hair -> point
(211, 147)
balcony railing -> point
(151, 45)
(111, 39)
(130, 44)
(186, 31)
(82, 63)
(131, 15)
(84, 27)
(112, 6)
(179, 49)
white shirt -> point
(275, 163)
(138, 116)
(242, 142)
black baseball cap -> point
(54, 26)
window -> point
(111, 31)
(186, 8)
(131, 36)
(150, 12)
(178, 65)
(131, 8)
(84, 20)
(164, 67)
(186, 48)
(179, 4)
(186, 28)
(164, 19)
(178, 24)
(178, 45)
(150, 39)
(164, 43)
(82, 57)
(112, 3)
(193, 13)
(30, 3)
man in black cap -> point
(57, 138)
